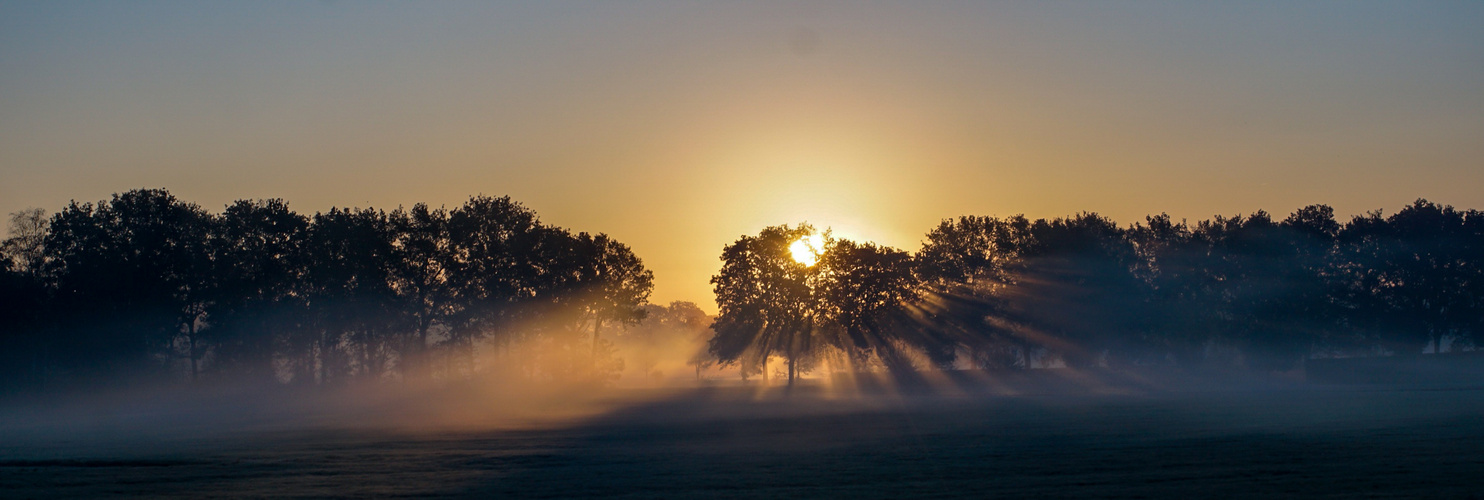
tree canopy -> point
(145, 284)
(1245, 290)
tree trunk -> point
(597, 325)
(793, 356)
(420, 365)
(765, 370)
(191, 339)
(366, 346)
(324, 357)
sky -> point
(678, 127)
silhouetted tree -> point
(259, 301)
(132, 275)
(1076, 289)
(504, 270)
(868, 294)
(965, 268)
(348, 282)
(676, 331)
(421, 280)
(613, 282)
(765, 302)
(1180, 307)
(23, 296)
(25, 247)
(1304, 310)
(145, 283)
(1413, 276)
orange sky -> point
(678, 127)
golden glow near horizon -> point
(806, 251)
(677, 128)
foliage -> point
(146, 284)
(1245, 290)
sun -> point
(806, 251)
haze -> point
(676, 127)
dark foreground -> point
(1329, 442)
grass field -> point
(740, 442)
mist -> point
(156, 348)
(741, 250)
(972, 434)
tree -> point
(508, 269)
(678, 330)
(146, 282)
(765, 302)
(1304, 308)
(965, 269)
(586, 280)
(23, 296)
(132, 277)
(973, 250)
(258, 303)
(1075, 288)
(421, 279)
(502, 267)
(613, 282)
(1412, 275)
(864, 291)
(26, 246)
(1179, 308)
(350, 259)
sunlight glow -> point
(806, 251)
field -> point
(1293, 440)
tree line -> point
(1245, 291)
(147, 285)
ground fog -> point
(1280, 439)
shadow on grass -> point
(731, 442)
